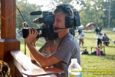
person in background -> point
(105, 39)
(72, 31)
(81, 37)
(99, 40)
(98, 29)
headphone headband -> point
(65, 8)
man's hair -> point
(66, 9)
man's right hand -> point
(31, 38)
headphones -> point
(68, 10)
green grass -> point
(98, 66)
(95, 66)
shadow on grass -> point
(111, 46)
(111, 57)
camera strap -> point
(20, 14)
(61, 41)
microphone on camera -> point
(38, 20)
(36, 13)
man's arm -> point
(44, 61)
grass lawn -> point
(96, 66)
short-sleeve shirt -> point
(67, 48)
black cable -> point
(24, 24)
(20, 14)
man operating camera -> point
(63, 48)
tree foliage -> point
(25, 8)
(96, 11)
(92, 12)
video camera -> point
(46, 29)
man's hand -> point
(31, 39)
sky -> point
(50, 4)
(46, 4)
(39, 2)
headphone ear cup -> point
(69, 22)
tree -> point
(62, 1)
(112, 9)
(92, 12)
(25, 8)
(109, 12)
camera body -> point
(46, 29)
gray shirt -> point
(67, 48)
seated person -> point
(105, 39)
